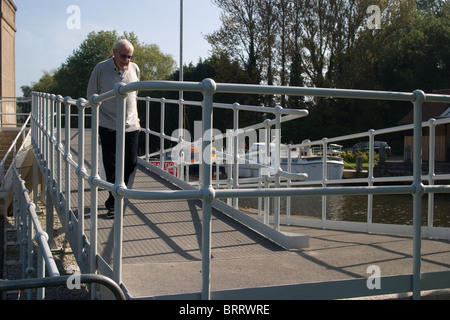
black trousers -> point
(108, 141)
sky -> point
(48, 31)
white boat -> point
(302, 160)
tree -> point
(72, 77)
(238, 36)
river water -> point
(390, 209)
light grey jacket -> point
(103, 79)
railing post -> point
(81, 169)
(147, 128)
(431, 169)
(324, 177)
(417, 196)
(209, 87)
(181, 137)
(370, 174)
(277, 164)
(235, 168)
(67, 158)
(119, 183)
(59, 99)
(30, 270)
(266, 173)
(50, 173)
(94, 192)
(161, 133)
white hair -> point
(123, 43)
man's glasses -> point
(124, 56)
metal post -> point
(431, 169)
(161, 134)
(181, 138)
(50, 175)
(208, 192)
(235, 169)
(30, 247)
(276, 200)
(58, 152)
(370, 175)
(147, 128)
(266, 173)
(67, 157)
(81, 168)
(181, 46)
(94, 194)
(119, 183)
(324, 177)
(417, 196)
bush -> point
(350, 157)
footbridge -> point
(178, 234)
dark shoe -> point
(110, 214)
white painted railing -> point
(48, 145)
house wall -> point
(442, 144)
(8, 60)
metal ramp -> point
(159, 243)
(162, 239)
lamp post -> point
(181, 45)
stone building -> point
(7, 61)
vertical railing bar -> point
(235, 167)
(181, 137)
(205, 163)
(370, 175)
(30, 270)
(119, 183)
(266, 173)
(417, 196)
(67, 157)
(40, 272)
(147, 128)
(431, 169)
(162, 129)
(58, 153)
(50, 174)
(324, 177)
(288, 183)
(80, 169)
(51, 139)
(277, 165)
(94, 193)
(47, 136)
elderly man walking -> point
(104, 77)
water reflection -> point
(390, 209)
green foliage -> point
(312, 43)
(72, 77)
(350, 157)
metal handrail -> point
(46, 145)
(8, 285)
(12, 148)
